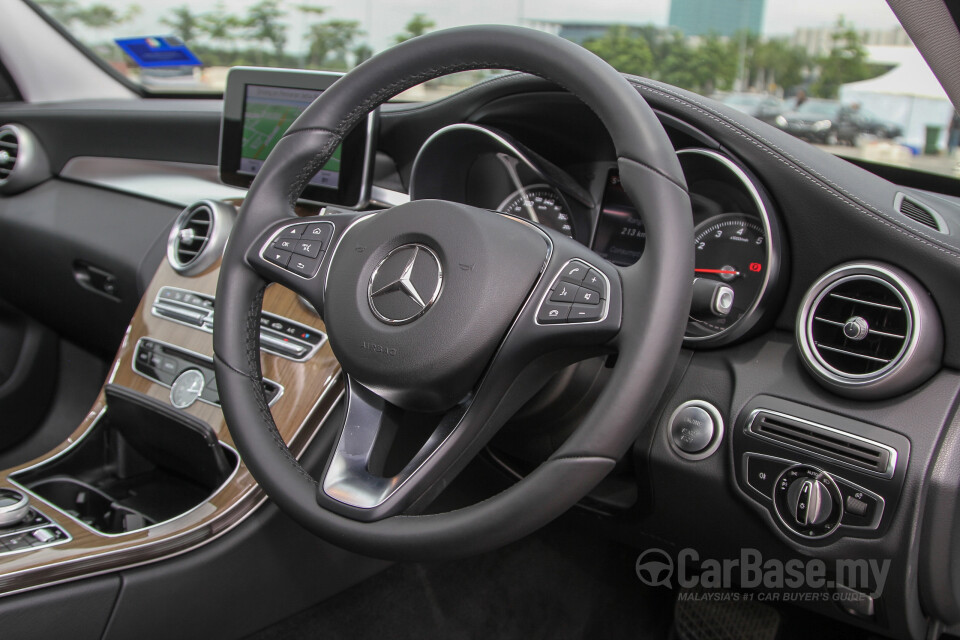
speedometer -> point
(731, 272)
(542, 204)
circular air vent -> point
(869, 330)
(198, 236)
(22, 161)
(9, 149)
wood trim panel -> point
(311, 390)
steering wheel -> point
(442, 308)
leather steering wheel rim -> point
(655, 292)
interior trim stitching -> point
(253, 362)
(801, 168)
(657, 172)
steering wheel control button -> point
(304, 266)
(285, 244)
(553, 313)
(564, 292)
(762, 472)
(308, 248)
(596, 282)
(293, 231)
(576, 271)
(587, 296)
(585, 313)
(808, 502)
(277, 257)
(695, 429)
(320, 232)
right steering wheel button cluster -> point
(578, 294)
(300, 247)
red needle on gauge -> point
(730, 272)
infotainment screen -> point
(267, 114)
(259, 107)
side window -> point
(8, 92)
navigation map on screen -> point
(268, 113)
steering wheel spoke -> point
(355, 483)
(296, 252)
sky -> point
(382, 19)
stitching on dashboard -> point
(801, 168)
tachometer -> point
(730, 274)
(542, 204)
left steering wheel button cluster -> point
(578, 294)
(300, 247)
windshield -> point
(765, 57)
(816, 108)
(744, 100)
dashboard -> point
(819, 356)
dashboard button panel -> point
(762, 472)
(149, 353)
(278, 335)
(35, 531)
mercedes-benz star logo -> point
(405, 284)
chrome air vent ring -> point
(198, 236)
(869, 330)
(23, 163)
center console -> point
(152, 470)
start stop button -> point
(695, 429)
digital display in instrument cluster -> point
(620, 234)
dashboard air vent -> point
(917, 212)
(868, 328)
(23, 164)
(9, 149)
(860, 326)
(198, 236)
(825, 442)
(192, 235)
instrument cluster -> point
(737, 240)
